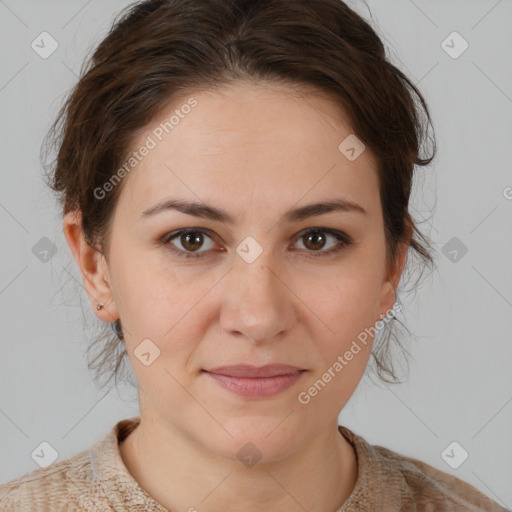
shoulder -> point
(95, 480)
(391, 481)
(62, 484)
(431, 489)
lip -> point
(256, 382)
(249, 371)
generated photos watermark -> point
(304, 397)
(158, 133)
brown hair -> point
(157, 50)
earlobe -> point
(92, 266)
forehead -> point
(248, 142)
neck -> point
(182, 475)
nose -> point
(257, 302)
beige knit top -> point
(96, 480)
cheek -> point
(349, 311)
(170, 312)
(346, 301)
(150, 294)
(345, 298)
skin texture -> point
(256, 151)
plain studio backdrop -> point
(457, 403)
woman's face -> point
(259, 286)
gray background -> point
(460, 385)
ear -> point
(390, 284)
(93, 268)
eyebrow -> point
(205, 211)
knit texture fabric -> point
(97, 480)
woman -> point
(235, 178)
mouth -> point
(256, 382)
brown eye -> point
(190, 240)
(314, 240)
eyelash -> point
(343, 239)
